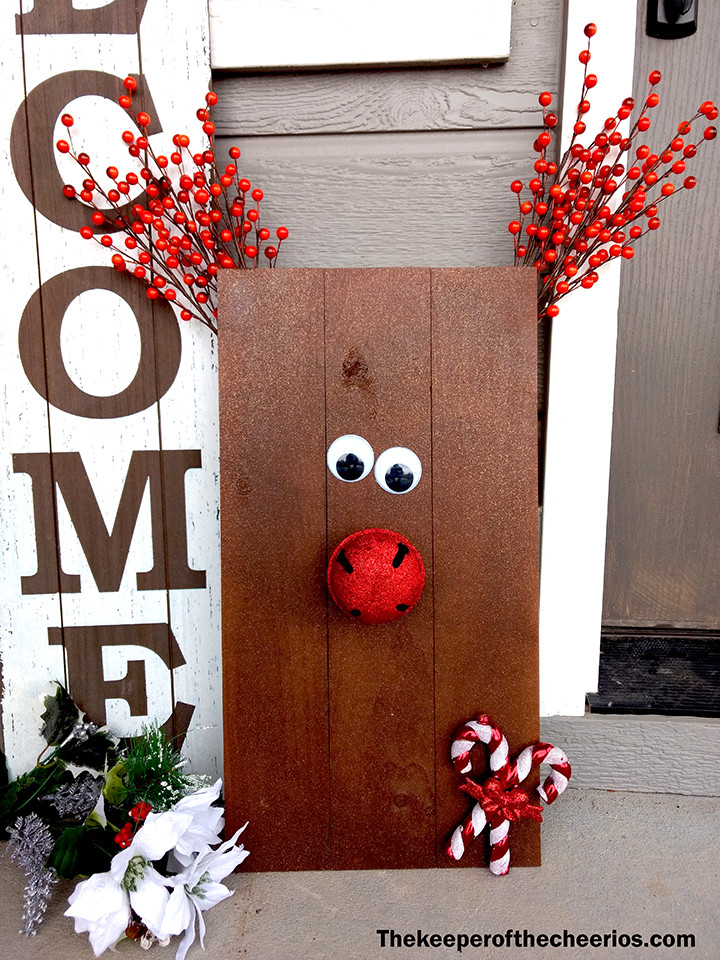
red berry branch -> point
(197, 219)
(601, 199)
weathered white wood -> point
(650, 754)
(188, 412)
(175, 65)
(28, 663)
(266, 34)
(381, 101)
(582, 382)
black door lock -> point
(671, 19)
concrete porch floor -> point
(625, 862)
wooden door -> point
(663, 553)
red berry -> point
(282, 233)
(689, 183)
(130, 83)
(124, 101)
(257, 195)
(654, 77)
(654, 223)
(643, 124)
(628, 253)
(143, 119)
(67, 120)
(710, 133)
(516, 186)
(584, 56)
(209, 128)
(185, 315)
(590, 30)
(545, 99)
(86, 233)
(579, 128)
(667, 189)
(591, 81)
(652, 101)
(235, 152)
(211, 98)
(270, 252)
(69, 191)
(63, 146)
(514, 226)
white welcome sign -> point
(109, 485)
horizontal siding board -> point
(652, 754)
(369, 101)
(412, 199)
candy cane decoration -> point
(500, 800)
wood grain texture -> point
(439, 361)
(382, 759)
(125, 513)
(435, 199)
(652, 754)
(663, 550)
(272, 469)
(381, 101)
(484, 522)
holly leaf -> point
(60, 716)
(81, 850)
(25, 793)
(66, 851)
(91, 753)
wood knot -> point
(355, 370)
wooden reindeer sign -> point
(396, 408)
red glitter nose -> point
(375, 576)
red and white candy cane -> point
(499, 799)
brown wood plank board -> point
(485, 522)
(272, 428)
(442, 362)
(382, 766)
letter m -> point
(107, 551)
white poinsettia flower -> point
(207, 822)
(197, 888)
(101, 905)
(101, 908)
(158, 835)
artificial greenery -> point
(65, 817)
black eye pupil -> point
(349, 466)
(399, 477)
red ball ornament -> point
(375, 576)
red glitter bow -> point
(497, 798)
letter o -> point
(42, 322)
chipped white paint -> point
(266, 34)
(175, 64)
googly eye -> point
(398, 470)
(350, 458)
